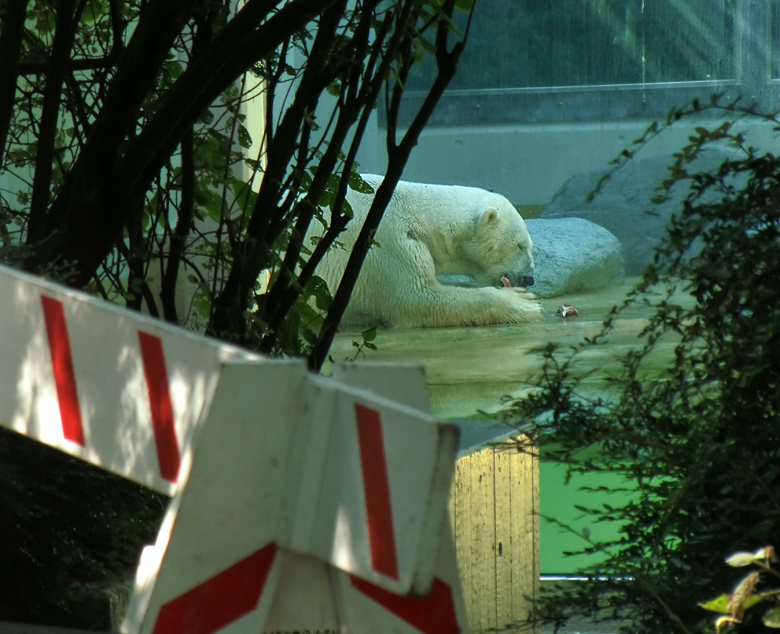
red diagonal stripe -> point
(434, 614)
(220, 600)
(381, 537)
(62, 366)
(160, 403)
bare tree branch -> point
(11, 30)
(55, 76)
(84, 199)
(228, 308)
(398, 155)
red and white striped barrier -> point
(299, 502)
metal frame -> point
(752, 80)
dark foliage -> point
(128, 169)
(127, 165)
(699, 438)
(70, 533)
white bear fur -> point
(429, 230)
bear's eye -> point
(521, 246)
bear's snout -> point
(517, 280)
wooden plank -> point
(504, 547)
(462, 526)
(494, 514)
(483, 543)
(525, 528)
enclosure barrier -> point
(297, 502)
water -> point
(473, 369)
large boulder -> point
(572, 255)
(623, 205)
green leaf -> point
(742, 558)
(317, 288)
(211, 152)
(771, 618)
(206, 198)
(357, 183)
(244, 138)
(426, 45)
(369, 335)
(45, 22)
(252, 164)
(173, 69)
(93, 10)
(718, 604)
(721, 604)
(202, 300)
(245, 196)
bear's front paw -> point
(520, 290)
(536, 310)
(524, 305)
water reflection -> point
(472, 369)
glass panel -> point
(773, 36)
(538, 43)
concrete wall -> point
(528, 163)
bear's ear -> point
(489, 216)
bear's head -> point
(499, 250)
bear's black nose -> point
(527, 280)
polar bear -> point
(429, 231)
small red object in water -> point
(568, 311)
(505, 281)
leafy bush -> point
(127, 167)
(746, 595)
(699, 437)
(71, 534)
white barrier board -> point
(289, 489)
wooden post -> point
(495, 520)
